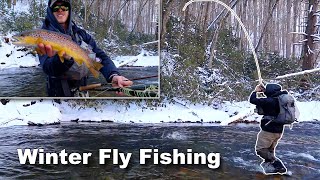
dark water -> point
(30, 82)
(299, 149)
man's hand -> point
(260, 88)
(47, 50)
(120, 81)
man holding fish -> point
(61, 57)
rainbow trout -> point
(60, 43)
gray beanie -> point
(54, 1)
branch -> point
(265, 25)
(300, 33)
(310, 51)
(301, 41)
(147, 43)
(298, 73)
(220, 14)
(311, 7)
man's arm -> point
(259, 101)
(108, 68)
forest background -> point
(118, 26)
(210, 54)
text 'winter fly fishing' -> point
(106, 156)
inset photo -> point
(219, 50)
(79, 49)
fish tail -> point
(97, 65)
(94, 72)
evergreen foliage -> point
(18, 22)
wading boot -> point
(279, 167)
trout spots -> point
(60, 43)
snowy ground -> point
(12, 56)
(24, 112)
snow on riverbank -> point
(28, 112)
(23, 112)
(143, 59)
(12, 56)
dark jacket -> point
(270, 106)
(56, 70)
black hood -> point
(51, 21)
(272, 90)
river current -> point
(299, 149)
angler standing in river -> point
(64, 78)
(271, 132)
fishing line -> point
(242, 26)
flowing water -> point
(30, 82)
(299, 149)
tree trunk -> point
(9, 3)
(266, 25)
(288, 25)
(166, 9)
(294, 29)
(308, 48)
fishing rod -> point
(140, 90)
(94, 86)
(243, 28)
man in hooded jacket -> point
(271, 132)
(62, 78)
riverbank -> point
(26, 112)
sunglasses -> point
(62, 7)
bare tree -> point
(309, 46)
(288, 26)
(166, 9)
(266, 24)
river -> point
(299, 149)
(30, 82)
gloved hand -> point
(260, 88)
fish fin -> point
(97, 65)
(79, 63)
(94, 72)
(60, 54)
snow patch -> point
(25, 112)
(12, 56)
(17, 112)
(143, 59)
